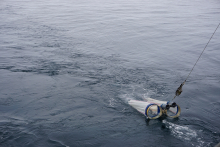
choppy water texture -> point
(68, 68)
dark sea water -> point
(69, 67)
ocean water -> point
(68, 69)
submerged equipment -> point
(153, 109)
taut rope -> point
(179, 89)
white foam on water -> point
(126, 97)
(112, 102)
(184, 133)
(136, 92)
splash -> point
(136, 92)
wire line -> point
(198, 58)
(203, 51)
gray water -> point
(68, 69)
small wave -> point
(57, 143)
